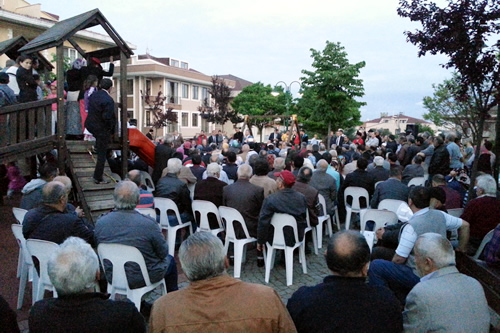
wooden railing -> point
(26, 129)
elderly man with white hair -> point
(74, 270)
(325, 184)
(210, 189)
(214, 301)
(444, 300)
(483, 211)
(125, 225)
(171, 187)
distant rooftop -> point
(240, 83)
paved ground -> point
(316, 266)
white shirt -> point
(409, 236)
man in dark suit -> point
(359, 178)
(340, 303)
(100, 122)
(275, 137)
(302, 185)
(214, 138)
(339, 138)
(163, 152)
(210, 189)
(392, 188)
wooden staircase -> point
(96, 199)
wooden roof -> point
(11, 48)
(65, 30)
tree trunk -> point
(480, 130)
(497, 144)
(328, 136)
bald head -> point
(65, 180)
(54, 193)
(322, 165)
(135, 176)
(126, 195)
(348, 254)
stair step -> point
(102, 204)
(92, 196)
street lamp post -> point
(287, 90)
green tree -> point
(219, 111)
(257, 100)
(446, 109)
(330, 91)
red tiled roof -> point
(409, 120)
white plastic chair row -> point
(203, 208)
(19, 214)
(417, 181)
(356, 193)
(325, 218)
(399, 207)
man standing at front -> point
(214, 301)
(341, 303)
(100, 122)
(444, 300)
(125, 225)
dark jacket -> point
(440, 161)
(47, 223)
(162, 155)
(340, 304)
(101, 117)
(27, 85)
(89, 312)
(311, 195)
(379, 173)
(209, 189)
(411, 171)
(247, 198)
(327, 187)
(171, 187)
(392, 188)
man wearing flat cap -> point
(286, 201)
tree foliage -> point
(219, 111)
(155, 105)
(257, 100)
(461, 31)
(330, 91)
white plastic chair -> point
(191, 190)
(119, 255)
(19, 214)
(370, 238)
(148, 181)
(165, 205)
(486, 239)
(279, 221)
(399, 207)
(355, 207)
(25, 265)
(457, 212)
(230, 216)
(42, 250)
(204, 208)
(151, 212)
(417, 181)
(325, 218)
(376, 184)
(381, 218)
(314, 232)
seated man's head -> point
(285, 179)
(395, 173)
(279, 164)
(438, 198)
(304, 175)
(433, 252)
(419, 197)
(126, 195)
(362, 163)
(196, 159)
(244, 171)
(321, 166)
(65, 180)
(174, 165)
(438, 180)
(55, 194)
(213, 170)
(202, 256)
(348, 254)
(135, 177)
(261, 167)
(486, 185)
(298, 162)
(169, 140)
(48, 171)
(74, 267)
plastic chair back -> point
(24, 265)
(399, 207)
(203, 208)
(376, 184)
(148, 181)
(42, 250)
(369, 237)
(417, 181)
(457, 212)
(230, 216)
(151, 212)
(19, 214)
(279, 222)
(356, 193)
(381, 218)
(487, 238)
(119, 255)
(165, 206)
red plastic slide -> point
(142, 146)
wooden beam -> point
(77, 47)
(61, 119)
(123, 101)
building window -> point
(174, 63)
(148, 87)
(70, 53)
(185, 119)
(195, 92)
(130, 114)
(148, 118)
(184, 65)
(185, 90)
(194, 120)
(130, 87)
(173, 92)
(204, 93)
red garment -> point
(358, 141)
(201, 137)
(482, 214)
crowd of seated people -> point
(410, 261)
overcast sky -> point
(270, 41)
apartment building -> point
(185, 90)
(20, 18)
